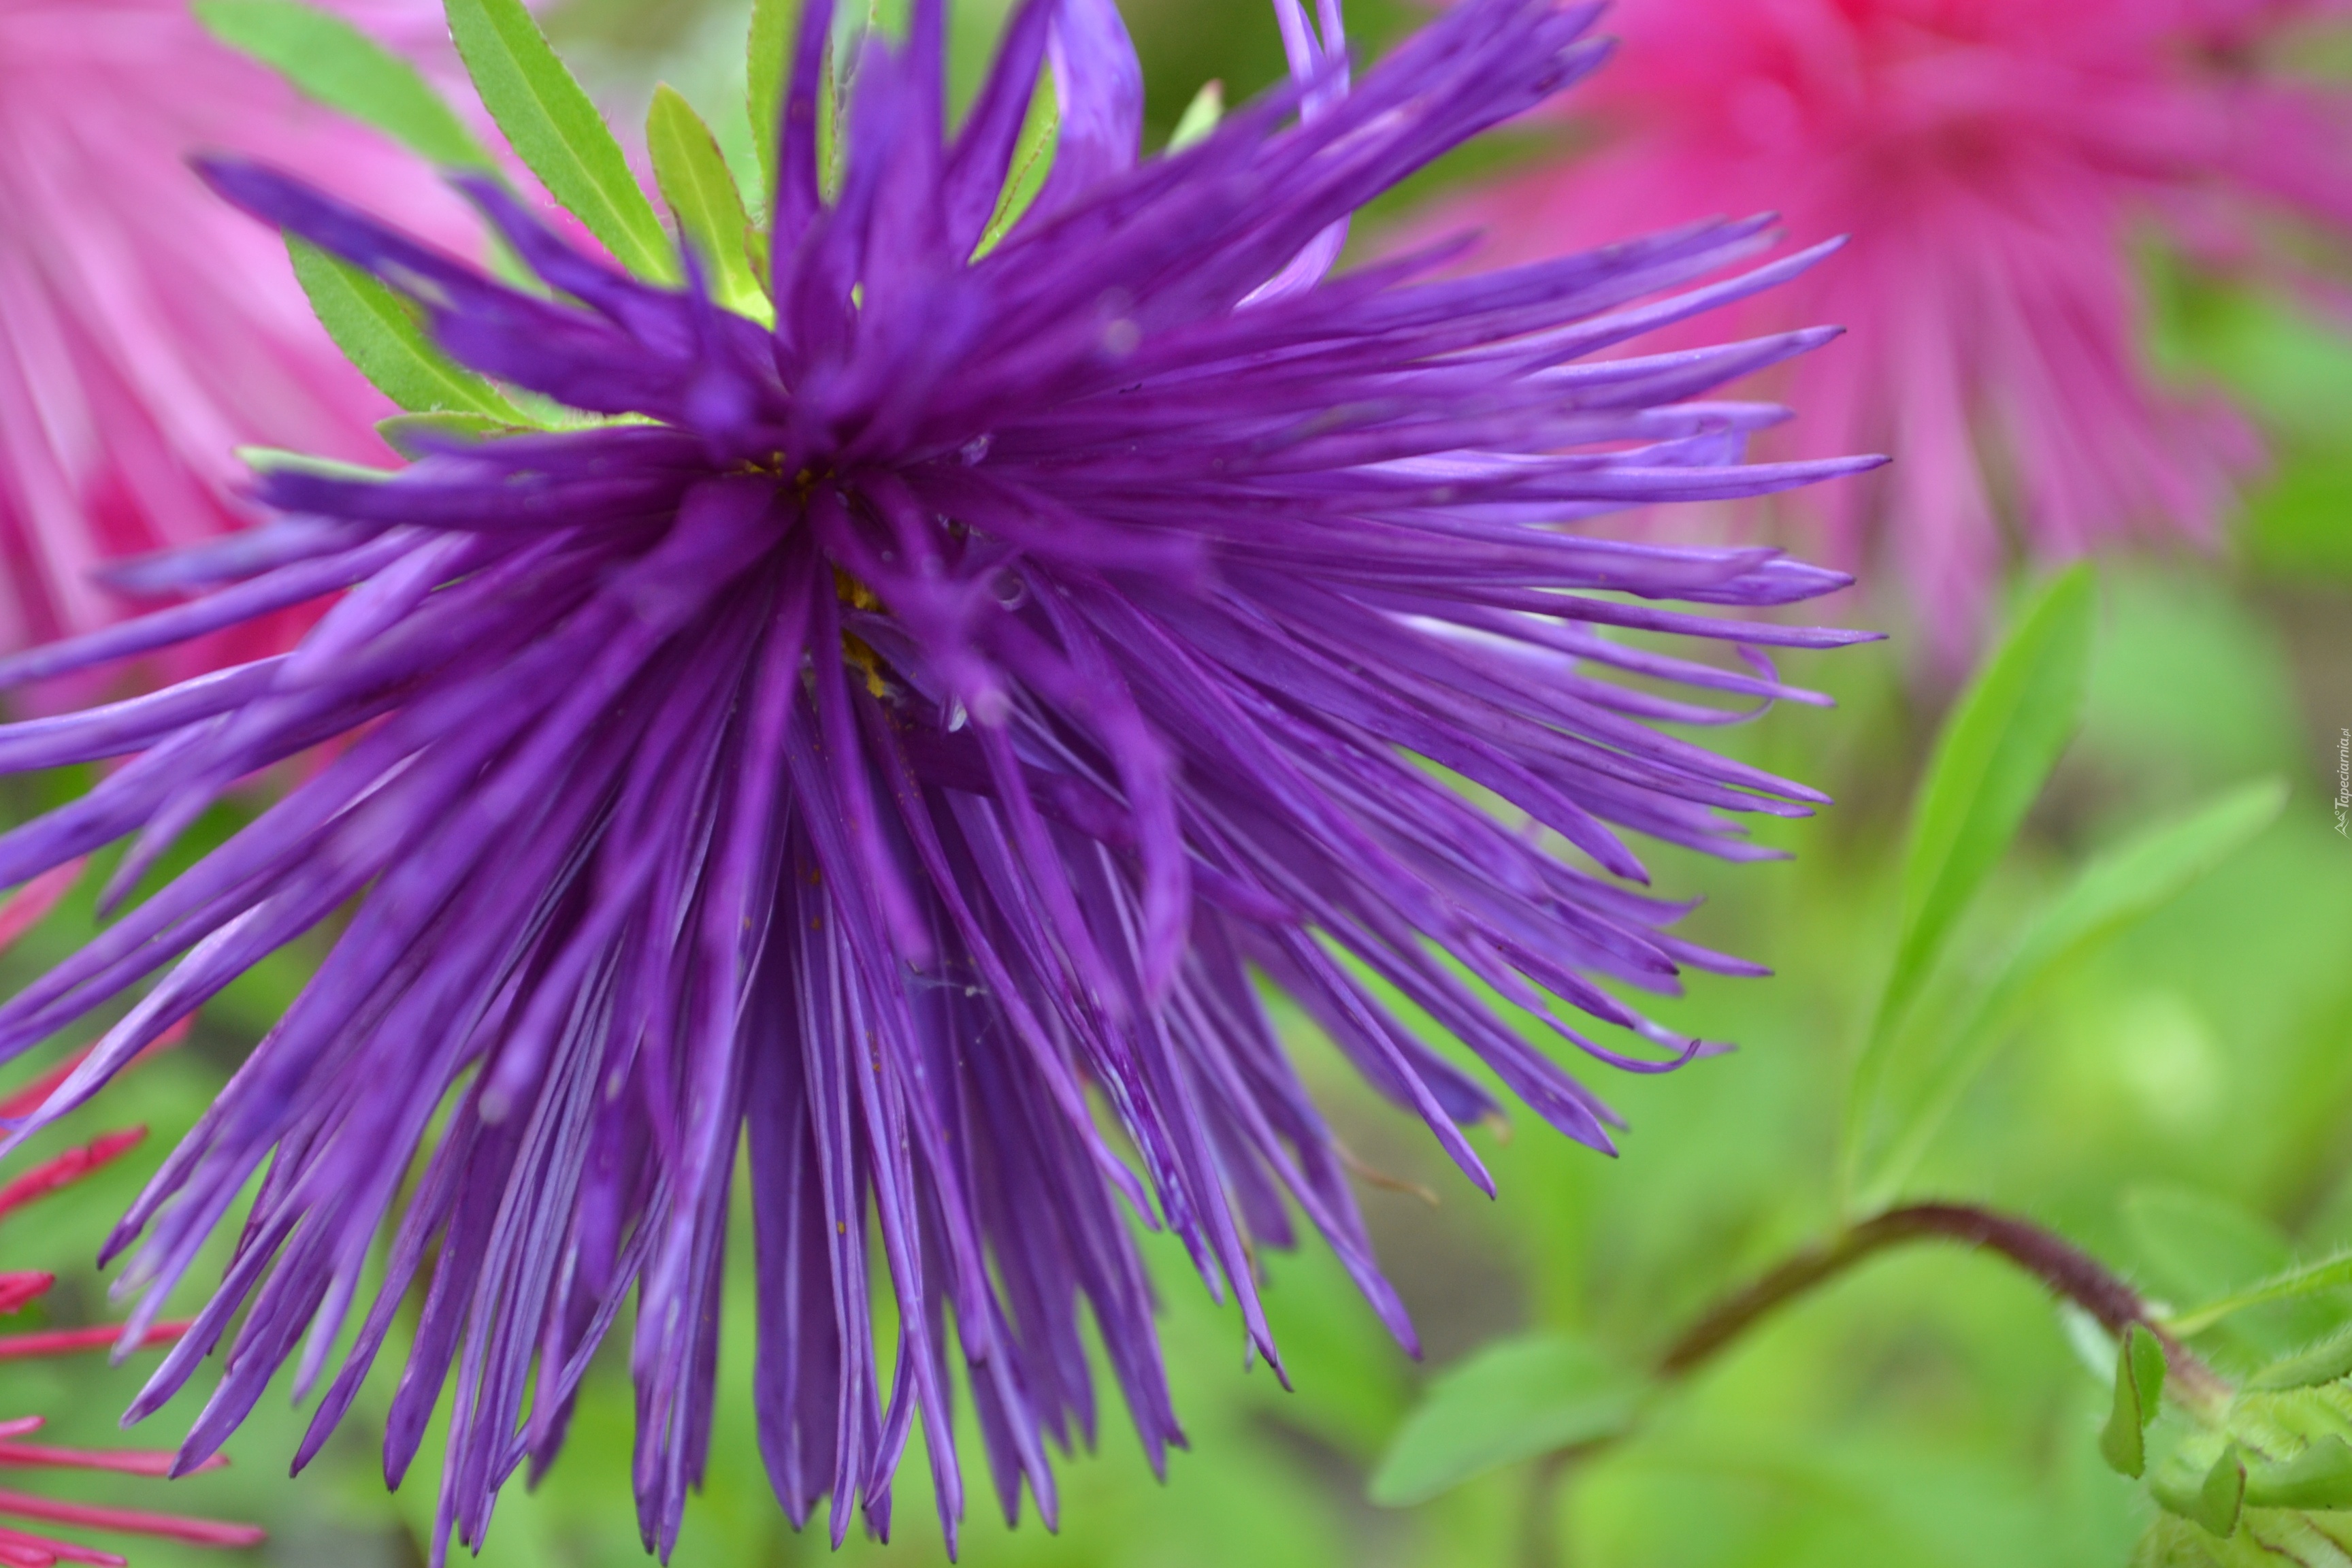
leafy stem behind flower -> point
(1931, 1033)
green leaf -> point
(277, 460)
(405, 433)
(774, 23)
(556, 131)
(2139, 1392)
(2294, 1284)
(1999, 746)
(2198, 1248)
(1996, 749)
(330, 60)
(2323, 1362)
(2118, 886)
(378, 332)
(2139, 876)
(2194, 1245)
(1512, 1400)
(1033, 159)
(2318, 1477)
(2214, 1500)
(702, 197)
(1199, 117)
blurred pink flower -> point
(1994, 161)
(147, 329)
(21, 1547)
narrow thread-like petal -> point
(905, 743)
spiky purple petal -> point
(905, 742)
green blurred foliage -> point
(2179, 1103)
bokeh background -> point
(2181, 1102)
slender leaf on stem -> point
(2119, 887)
(2141, 875)
(1996, 749)
(1514, 1400)
(277, 460)
(420, 435)
(703, 197)
(327, 58)
(2306, 1279)
(555, 130)
(1989, 763)
(1033, 159)
(2330, 1361)
(378, 332)
(768, 50)
(1199, 117)
(2193, 1245)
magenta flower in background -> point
(1995, 162)
(25, 1516)
(897, 726)
(146, 332)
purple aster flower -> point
(904, 738)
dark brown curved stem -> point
(2066, 1270)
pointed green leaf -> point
(2140, 1392)
(702, 197)
(2195, 1245)
(1512, 1400)
(832, 103)
(774, 23)
(277, 460)
(2214, 1499)
(2145, 872)
(2325, 1362)
(556, 131)
(1033, 159)
(1998, 747)
(2123, 1441)
(413, 436)
(2307, 1280)
(378, 332)
(2143, 1354)
(2119, 885)
(1199, 117)
(2141, 875)
(2198, 1247)
(2318, 1477)
(327, 58)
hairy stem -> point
(2068, 1271)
